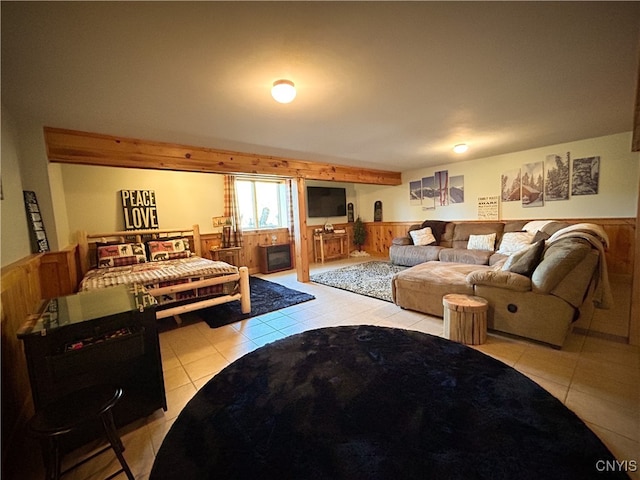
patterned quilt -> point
(163, 274)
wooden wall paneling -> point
(20, 297)
(71, 146)
(59, 272)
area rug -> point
(266, 297)
(372, 279)
(365, 402)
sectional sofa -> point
(538, 276)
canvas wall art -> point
(533, 184)
(586, 176)
(556, 185)
(510, 182)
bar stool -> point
(71, 413)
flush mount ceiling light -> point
(461, 148)
(283, 91)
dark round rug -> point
(367, 402)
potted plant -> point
(359, 233)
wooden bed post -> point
(245, 291)
(83, 251)
(196, 240)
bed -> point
(168, 263)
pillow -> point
(514, 241)
(120, 254)
(168, 249)
(424, 236)
(525, 261)
(482, 242)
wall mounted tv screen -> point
(326, 202)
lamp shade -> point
(283, 91)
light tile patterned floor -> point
(598, 379)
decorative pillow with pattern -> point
(514, 242)
(121, 254)
(424, 236)
(168, 249)
(482, 242)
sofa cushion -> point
(424, 236)
(525, 261)
(482, 242)
(462, 255)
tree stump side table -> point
(465, 318)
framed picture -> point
(533, 184)
(429, 193)
(586, 176)
(510, 182)
(415, 192)
(556, 185)
(442, 187)
(456, 189)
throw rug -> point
(266, 297)
(365, 402)
(372, 279)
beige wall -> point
(15, 233)
(93, 202)
(617, 195)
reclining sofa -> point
(539, 277)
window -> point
(262, 203)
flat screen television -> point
(326, 202)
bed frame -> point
(87, 247)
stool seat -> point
(72, 412)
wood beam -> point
(301, 239)
(71, 146)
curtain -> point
(231, 208)
(290, 186)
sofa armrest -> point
(402, 241)
(500, 279)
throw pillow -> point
(168, 249)
(525, 261)
(424, 236)
(121, 254)
(482, 242)
(514, 241)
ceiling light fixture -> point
(461, 148)
(283, 91)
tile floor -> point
(595, 377)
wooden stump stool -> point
(465, 318)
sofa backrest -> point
(464, 230)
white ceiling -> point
(387, 85)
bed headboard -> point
(87, 241)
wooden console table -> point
(320, 241)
